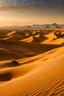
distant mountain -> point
(54, 24)
(40, 25)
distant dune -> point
(32, 62)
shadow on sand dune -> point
(12, 63)
(5, 77)
(24, 49)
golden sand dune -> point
(11, 33)
(30, 39)
(32, 62)
(45, 78)
(6, 64)
(53, 41)
(54, 38)
(50, 35)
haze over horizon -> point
(24, 12)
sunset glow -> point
(34, 14)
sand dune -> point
(12, 63)
(30, 39)
(32, 62)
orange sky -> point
(22, 16)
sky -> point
(26, 12)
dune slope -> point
(32, 68)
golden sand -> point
(32, 63)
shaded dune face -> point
(9, 64)
(5, 77)
(32, 62)
(17, 49)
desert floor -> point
(32, 61)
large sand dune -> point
(32, 62)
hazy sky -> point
(22, 12)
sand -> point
(32, 62)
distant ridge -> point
(53, 24)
